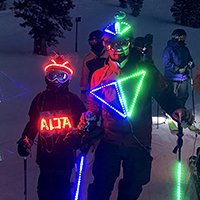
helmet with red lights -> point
(58, 71)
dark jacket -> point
(122, 131)
(175, 55)
(91, 63)
(52, 151)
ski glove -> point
(191, 65)
(73, 139)
(183, 116)
(86, 120)
(183, 70)
(24, 146)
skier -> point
(139, 49)
(93, 61)
(53, 114)
(127, 135)
(149, 42)
(177, 61)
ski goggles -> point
(59, 75)
(180, 38)
(113, 44)
(95, 41)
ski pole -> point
(178, 86)
(157, 115)
(25, 177)
(193, 105)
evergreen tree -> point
(186, 12)
(2, 4)
(46, 18)
(135, 6)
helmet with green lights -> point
(118, 37)
(119, 28)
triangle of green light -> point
(129, 110)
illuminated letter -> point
(66, 122)
(51, 125)
(59, 123)
(43, 124)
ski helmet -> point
(149, 38)
(119, 28)
(140, 44)
(95, 40)
(58, 72)
(95, 37)
(179, 34)
(118, 37)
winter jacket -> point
(91, 63)
(196, 81)
(52, 151)
(134, 130)
(175, 55)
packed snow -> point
(21, 78)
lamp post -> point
(78, 19)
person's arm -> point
(196, 81)
(172, 61)
(30, 130)
(164, 95)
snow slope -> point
(21, 78)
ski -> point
(174, 128)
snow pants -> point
(181, 90)
(54, 184)
(136, 163)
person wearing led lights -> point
(53, 114)
(93, 60)
(121, 94)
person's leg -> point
(180, 89)
(45, 185)
(62, 185)
(183, 92)
(136, 170)
(106, 169)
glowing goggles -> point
(59, 75)
(112, 44)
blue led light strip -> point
(123, 114)
(120, 93)
(117, 28)
(79, 178)
(1, 93)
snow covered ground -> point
(21, 78)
